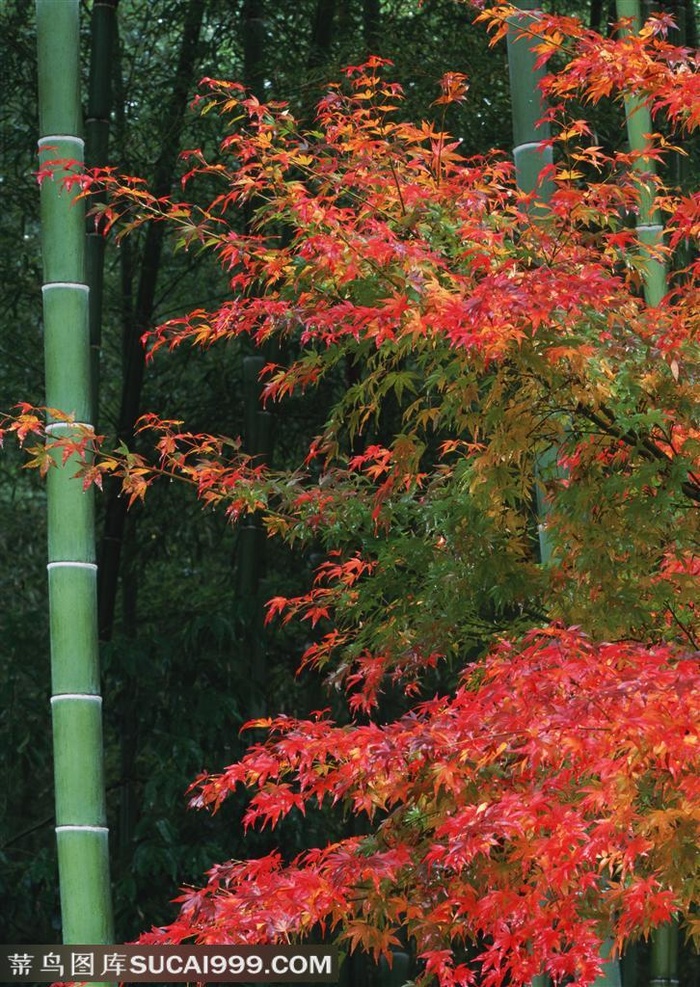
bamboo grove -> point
(501, 501)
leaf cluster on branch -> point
(552, 798)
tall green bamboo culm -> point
(530, 158)
(664, 941)
(81, 831)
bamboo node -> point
(72, 564)
(77, 827)
(90, 696)
(65, 284)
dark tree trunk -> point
(103, 30)
(254, 47)
(596, 15)
(133, 355)
(321, 33)
(371, 23)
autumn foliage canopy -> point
(479, 352)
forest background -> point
(185, 657)
(176, 633)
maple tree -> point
(459, 330)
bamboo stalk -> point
(530, 158)
(664, 956)
(81, 831)
(664, 940)
(527, 106)
(649, 226)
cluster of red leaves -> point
(375, 244)
(622, 63)
(553, 800)
(397, 237)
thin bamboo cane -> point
(81, 831)
(531, 157)
(649, 225)
(664, 940)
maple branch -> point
(681, 626)
(644, 445)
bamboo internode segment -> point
(530, 153)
